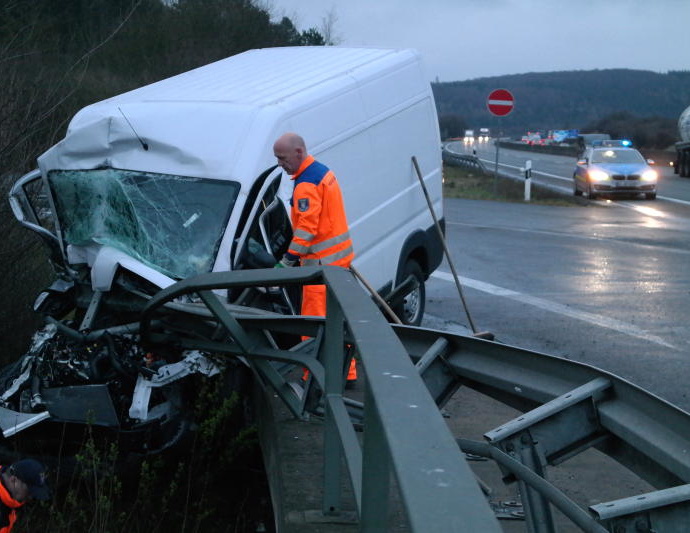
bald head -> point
(290, 150)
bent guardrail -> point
(410, 373)
(404, 433)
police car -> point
(614, 168)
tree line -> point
(646, 104)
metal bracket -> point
(550, 434)
(666, 510)
(562, 428)
(194, 362)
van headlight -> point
(598, 175)
(649, 175)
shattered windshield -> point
(171, 223)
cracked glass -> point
(171, 223)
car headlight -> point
(649, 175)
(598, 175)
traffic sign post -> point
(500, 103)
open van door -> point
(263, 240)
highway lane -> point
(556, 171)
(605, 283)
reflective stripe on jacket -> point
(320, 231)
(8, 509)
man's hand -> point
(284, 263)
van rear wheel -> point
(411, 310)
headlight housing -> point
(598, 175)
(649, 175)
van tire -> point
(411, 310)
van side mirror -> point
(651, 162)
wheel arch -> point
(423, 246)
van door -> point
(264, 239)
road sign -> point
(500, 102)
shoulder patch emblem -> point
(303, 204)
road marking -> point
(547, 305)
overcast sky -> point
(467, 39)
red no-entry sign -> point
(500, 102)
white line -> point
(597, 320)
(506, 103)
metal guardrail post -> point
(376, 484)
(333, 363)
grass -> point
(461, 182)
(217, 485)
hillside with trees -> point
(568, 100)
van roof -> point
(215, 121)
(261, 77)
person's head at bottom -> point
(25, 480)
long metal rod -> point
(387, 308)
(443, 242)
(569, 508)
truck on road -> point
(682, 164)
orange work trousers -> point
(314, 304)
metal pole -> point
(376, 296)
(443, 242)
(498, 143)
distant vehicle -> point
(682, 164)
(469, 137)
(561, 136)
(587, 139)
(623, 143)
(533, 138)
(484, 135)
(614, 171)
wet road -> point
(606, 284)
(557, 171)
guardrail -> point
(463, 160)
(404, 433)
(410, 373)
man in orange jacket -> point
(320, 231)
(20, 482)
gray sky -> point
(466, 39)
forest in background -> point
(633, 103)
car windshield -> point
(617, 156)
(171, 223)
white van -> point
(178, 177)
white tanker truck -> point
(682, 165)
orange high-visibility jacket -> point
(319, 224)
(8, 510)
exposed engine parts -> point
(110, 381)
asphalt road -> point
(605, 284)
(556, 171)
